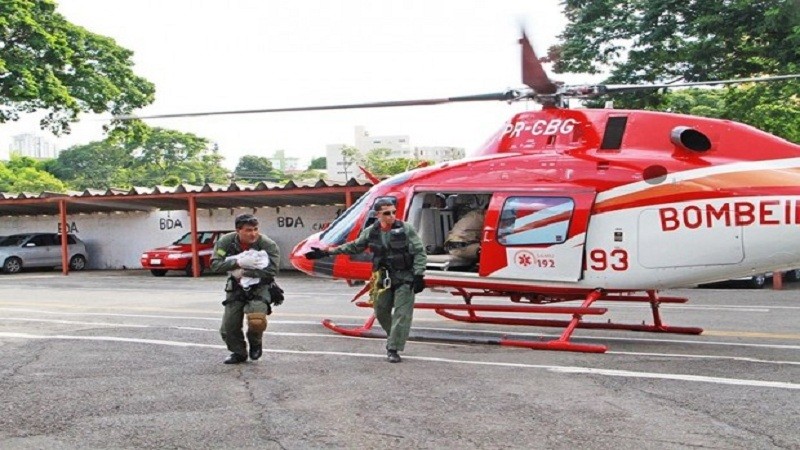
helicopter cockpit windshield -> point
(337, 232)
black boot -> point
(255, 351)
(392, 356)
(235, 359)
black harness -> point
(394, 257)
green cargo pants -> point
(397, 324)
(232, 324)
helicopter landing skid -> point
(562, 343)
(366, 331)
(652, 297)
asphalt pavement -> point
(121, 359)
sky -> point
(207, 55)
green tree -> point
(641, 41)
(700, 102)
(162, 153)
(743, 105)
(773, 107)
(319, 163)
(22, 174)
(95, 165)
(145, 158)
(308, 175)
(378, 162)
(47, 63)
(649, 40)
(171, 180)
(211, 166)
(205, 168)
(254, 169)
(6, 178)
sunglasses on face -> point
(389, 213)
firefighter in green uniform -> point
(253, 302)
(398, 265)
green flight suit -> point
(400, 296)
(237, 302)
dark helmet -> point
(245, 219)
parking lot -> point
(122, 359)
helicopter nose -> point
(298, 259)
(319, 267)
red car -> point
(178, 256)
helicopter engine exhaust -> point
(690, 139)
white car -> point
(20, 251)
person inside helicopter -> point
(450, 226)
(463, 240)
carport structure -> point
(182, 197)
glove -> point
(317, 253)
(275, 294)
(419, 283)
(247, 261)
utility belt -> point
(241, 294)
(245, 295)
(383, 280)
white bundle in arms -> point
(250, 259)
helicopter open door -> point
(536, 235)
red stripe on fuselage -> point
(661, 197)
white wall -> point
(116, 240)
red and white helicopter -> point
(587, 205)
(582, 206)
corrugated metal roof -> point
(208, 196)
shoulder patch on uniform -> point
(221, 252)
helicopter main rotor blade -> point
(533, 74)
(503, 96)
(613, 88)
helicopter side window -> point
(535, 220)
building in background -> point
(439, 154)
(33, 146)
(285, 164)
(340, 169)
(337, 166)
(399, 145)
